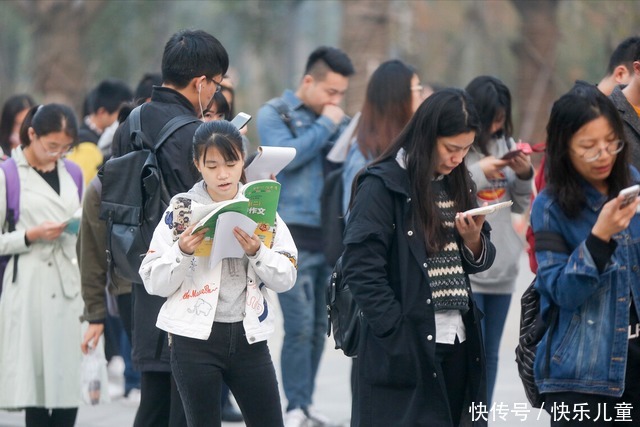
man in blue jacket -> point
(309, 119)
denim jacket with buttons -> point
(588, 348)
(303, 178)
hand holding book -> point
(253, 212)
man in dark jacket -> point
(627, 100)
(193, 65)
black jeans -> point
(200, 366)
(452, 359)
(43, 417)
(160, 404)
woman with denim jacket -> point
(593, 361)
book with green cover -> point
(263, 196)
(258, 202)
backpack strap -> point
(76, 173)
(12, 183)
(550, 241)
(283, 110)
(135, 129)
(171, 126)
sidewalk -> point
(333, 394)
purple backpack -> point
(12, 181)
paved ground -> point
(333, 395)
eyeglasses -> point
(218, 84)
(592, 154)
(418, 88)
(54, 149)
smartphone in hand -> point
(489, 209)
(241, 120)
(511, 154)
(630, 194)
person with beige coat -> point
(39, 311)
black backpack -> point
(134, 197)
(344, 315)
(533, 326)
(331, 216)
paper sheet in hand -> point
(225, 244)
(268, 161)
(486, 210)
(340, 149)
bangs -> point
(228, 150)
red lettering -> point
(196, 293)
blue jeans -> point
(200, 366)
(131, 375)
(495, 308)
(305, 326)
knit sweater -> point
(446, 275)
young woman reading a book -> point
(219, 316)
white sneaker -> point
(133, 398)
(318, 419)
(115, 368)
(295, 418)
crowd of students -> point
(434, 283)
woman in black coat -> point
(409, 250)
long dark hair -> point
(386, 109)
(491, 98)
(448, 112)
(581, 105)
(11, 108)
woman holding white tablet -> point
(408, 253)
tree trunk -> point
(536, 53)
(365, 38)
(58, 33)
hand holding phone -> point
(630, 194)
(241, 120)
(511, 154)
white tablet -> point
(486, 210)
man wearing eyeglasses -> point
(627, 100)
(193, 65)
(309, 119)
